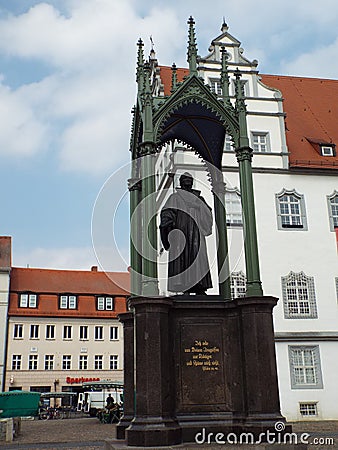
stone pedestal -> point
(127, 320)
(202, 363)
(154, 421)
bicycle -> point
(49, 414)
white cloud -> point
(21, 132)
(70, 258)
(311, 64)
(86, 101)
(56, 258)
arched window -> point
(299, 298)
(332, 202)
(305, 367)
(290, 210)
(233, 208)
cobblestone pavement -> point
(88, 433)
(76, 434)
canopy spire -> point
(225, 82)
(173, 77)
(140, 66)
(192, 48)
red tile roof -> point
(86, 285)
(311, 107)
(166, 73)
(70, 281)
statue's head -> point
(186, 181)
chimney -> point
(5, 252)
(94, 269)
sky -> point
(67, 87)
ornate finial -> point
(140, 63)
(224, 26)
(173, 77)
(192, 48)
(147, 72)
(239, 92)
(225, 82)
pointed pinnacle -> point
(192, 48)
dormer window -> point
(68, 302)
(326, 150)
(28, 300)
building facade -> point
(5, 270)
(291, 123)
(63, 328)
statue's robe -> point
(186, 220)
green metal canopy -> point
(196, 116)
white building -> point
(293, 133)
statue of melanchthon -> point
(186, 219)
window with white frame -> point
(68, 302)
(50, 331)
(291, 212)
(98, 362)
(105, 303)
(114, 333)
(33, 362)
(260, 142)
(18, 331)
(66, 362)
(34, 331)
(28, 300)
(83, 362)
(238, 284)
(49, 362)
(83, 333)
(305, 367)
(113, 362)
(308, 409)
(228, 143)
(327, 150)
(299, 296)
(215, 86)
(16, 362)
(98, 333)
(67, 332)
(332, 202)
(233, 208)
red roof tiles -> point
(166, 73)
(311, 106)
(86, 285)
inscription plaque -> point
(201, 364)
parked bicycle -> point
(49, 414)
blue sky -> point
(67, 85)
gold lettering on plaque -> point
(204, 356)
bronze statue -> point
(186, 219)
